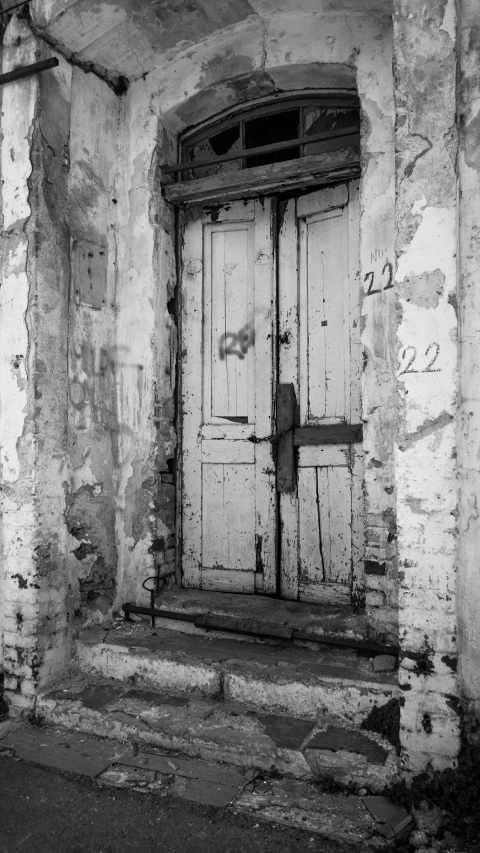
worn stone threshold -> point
(225, 731)
(272, 676)
(266, 616)
(149, 770)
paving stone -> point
(157, 698)
(286, 732)
(97, 696)
(296, 804)
(209, 793)
(336, 739)
(126, 777)
(63, 750)
(394, 821)
(190, 768)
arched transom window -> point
(270, 133)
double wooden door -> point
(271, 500)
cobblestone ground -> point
(46, 811)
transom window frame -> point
(319, 169)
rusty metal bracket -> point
(15, 6)
(286, 408)
(28, 70)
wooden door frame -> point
(290, 177)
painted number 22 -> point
(409, 355)
(370, 276)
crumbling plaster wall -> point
(425, 461)
(33, 317)
(95, 360)
(58, 361)
(469, 333)
(281, 51)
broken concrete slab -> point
(394, 822)
(93, 696)
(343, 739)
(300, 805)
(64, 751)
(190, 769)
(286, 732)
(209, 793)
(121, 776)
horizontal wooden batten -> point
(228, 452)
(315, 170)
(228, 580)
(320, 455)
(327, 593)
(262, 149)
(328, 434)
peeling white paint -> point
(449, 20)
(431, 247)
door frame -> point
(341, 167)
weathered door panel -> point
(228, 489)
(319, 350)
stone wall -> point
(426, 284)
(88, 341)
(58, 359)
(34, 304)
(469, 333)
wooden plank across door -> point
(228, 476)
(319, 337)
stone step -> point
(197, 726)
(260, 614)
(364, 821)
(333, 685)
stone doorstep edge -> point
(221, 795)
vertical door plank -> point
(358, 533)
(228, 517)
(312, 568)
(355, 306)
(339, 532)
(230, 331)
(326, 316)
(265, 380)
(347, 330)
(214, 521)
(288, 372)
(192, 402)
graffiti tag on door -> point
(236, 343)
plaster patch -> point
(423, 290)
(449, 20)
(419, 206)
(83, 475)
(432, 246)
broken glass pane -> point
(324, 119)
(226, 142)
(265, 130)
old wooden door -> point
(228, 321)
(233, 354)
(319, 353)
